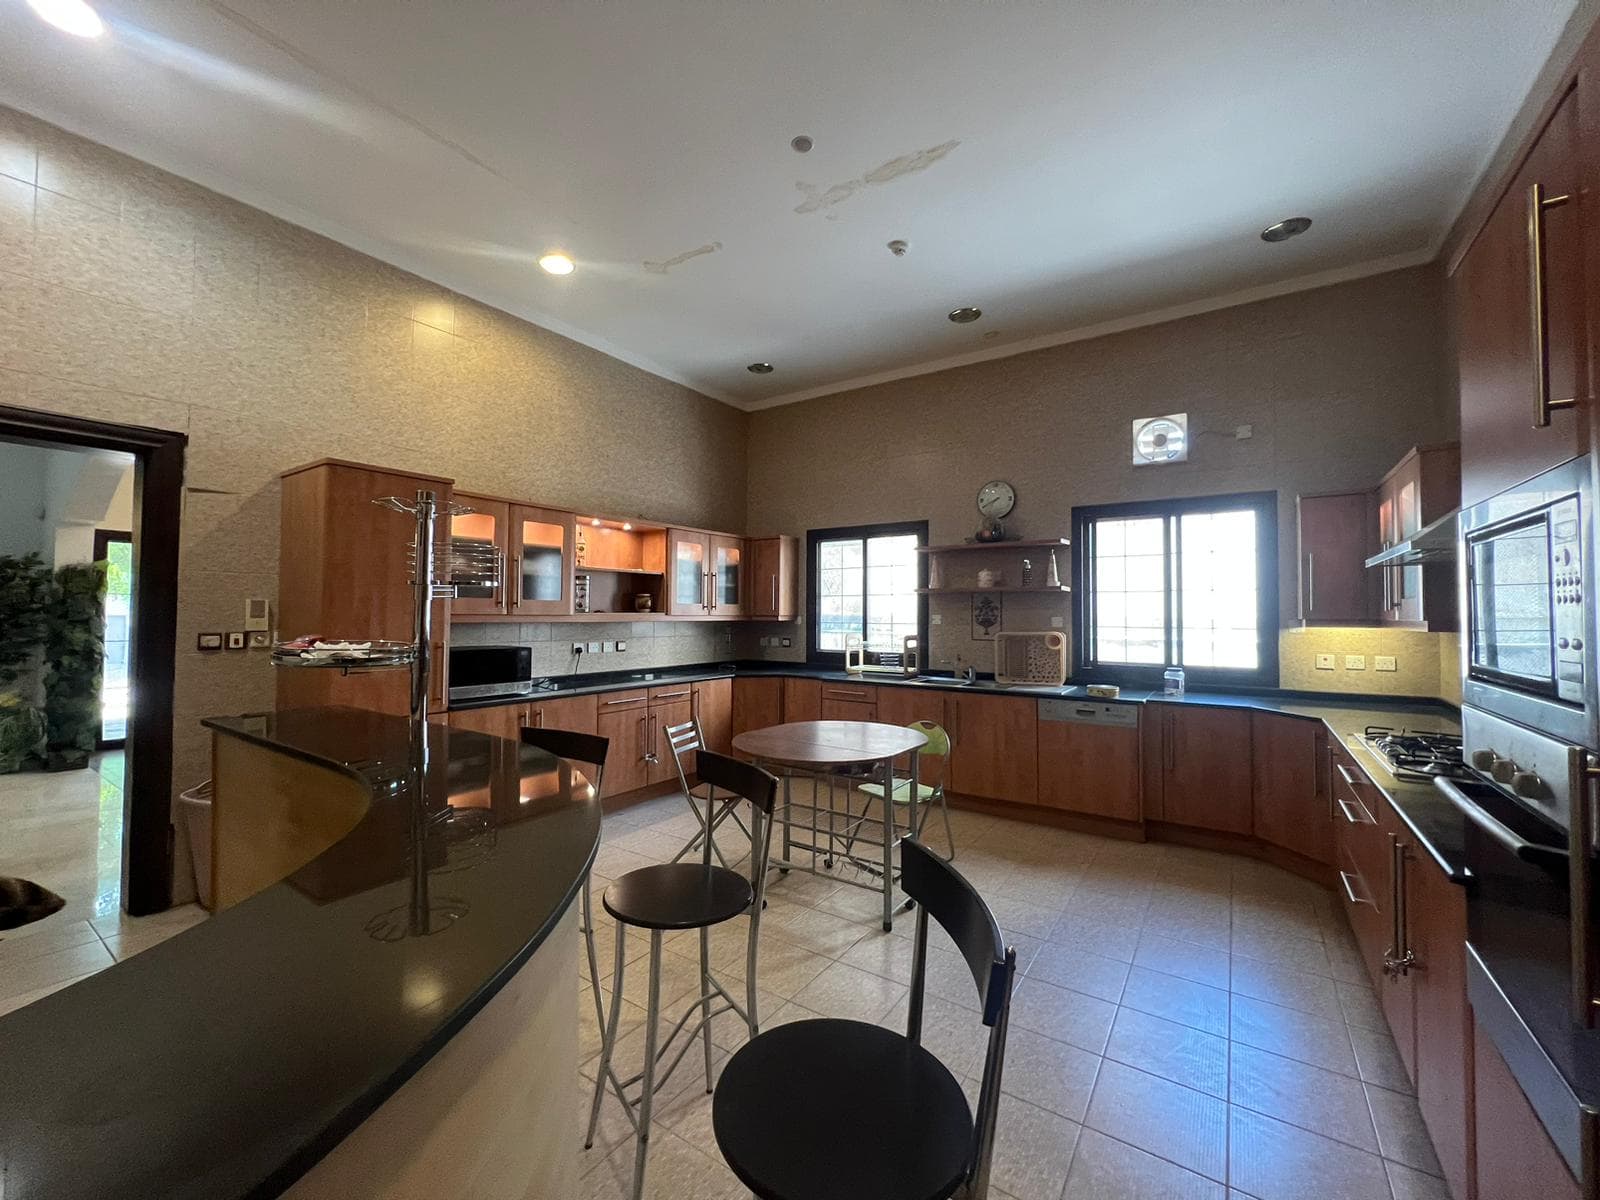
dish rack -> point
(1031, 659)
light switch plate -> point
(937, 619)
(260, 639)
(1055, 622)
(1355, 662)
(236, 639)
(257, 614)
(621, 646)
(1384, 662)
(787, 642)
(1324, 662)
(208, 641)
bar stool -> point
(938, 746)
(844, 1110)
(686, 741)
(690, 895)
(591, 750)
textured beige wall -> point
(1426, 664)
(129, 295)
(1338, 383)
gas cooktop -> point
(1417, 756)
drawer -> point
(611, 702)
(672, 693)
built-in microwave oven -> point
(1529, 648)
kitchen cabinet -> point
(1289, 796)
(713, 708)
(729, 582)
(1360, 859)
(496, 720)
(1512, 343)
(757, 704)
(669, 706)
(574, 713)
(541, 558)
(486, 527)
(344, 571)
(849, 702)
(1514, 1156)
(1422, 487)
(902, 706)
(802, 700)
(1335, 541)
(688, 573)
(1397, 989)
(774, 575)
(1443, 1018)
(994, 746)
(624, 718)
(1205, 768)
(1089, 758)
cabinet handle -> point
(774, 595)
(1350, 891)
(669, 695)
(1349, 815)
(516, 581)
(1582, 771)
(1344, 774)
(1311, 582)
(1399, 959)
(713, 592)
(839, 694)
(624, 700)
(644, 739)
(1539, 305)
(1168, 738)
(538, 717)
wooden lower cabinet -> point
(1438, 937)
(802, 700)
(1089, 768)
(713, 708)
(497, 720)
(994, 746)
(575, 713)
(1363, 874)
(1205, 767)
(757, 703)
(624, 718)
(905, 705)
(1397, 992)
(674, 708)
(1514, 1156)
(849, 702)
(1289, 796)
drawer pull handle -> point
(627, 700)
(1350, 891)
(669, 695)
(1344, 774)
(1359, 817)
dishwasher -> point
(1089, 758)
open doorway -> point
(89, 519)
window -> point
(863, 580)
(1191, 583)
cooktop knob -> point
(1503, 770)
(1483, 760)
(1527, 784)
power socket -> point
(1384, 662)
(577, 647)
(1355, 662)
(1324, 662)
(593, 647)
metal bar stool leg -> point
(646, 1098)
(608, 1040)
(888, 844)
(587, 910)
(788, 851)
(706, 994)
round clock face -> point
(996, 499)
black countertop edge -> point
(326, 973)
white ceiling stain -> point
(906, 164)
(666, 264)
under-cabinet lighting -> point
(557, 264)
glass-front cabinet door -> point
(482, 529)
(541, 560)
(688, 564)
(727, 577)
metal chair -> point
(686, 740)
(589, 749)
(844, 1110)
(689, 895)
(927, 794)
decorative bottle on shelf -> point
(1027, 572)
(580, 553)
(1052, 576)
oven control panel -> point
(1567, 599)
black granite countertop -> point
(224, 1062)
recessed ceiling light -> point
(70, 16)
(760, 368)
(965, 316)
(594, 520)
(556, 264)
(801, 143)
(898, 247)
(627, 526)
(1284, 230)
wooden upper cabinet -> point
(541, 557)
(1421, 488)
(487, 525)
(1206, 767)
(774, 573)
(1507, 436)
(994, 746)
(688, 573)
(729, 575)
(1288, 785)
(1335, 541)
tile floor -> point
(1185, 1025)
(64, 831)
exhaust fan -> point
(1161, 439)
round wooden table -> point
(827, 748)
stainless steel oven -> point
(1529, 649)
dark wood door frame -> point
(103, 539)
(153, 634)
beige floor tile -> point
(1049, 1073)
(23, 999)
(674, 1170)
(1080, 970)
(1106, 1169)
(1408, 1184)
(1272, 1160)
(1324, 1102)
(1173, 1051)
(43, 937)
(952, 1034)
(1262, 980)
(1296, 953)
(1360, 1006)
(848, 992)
(1401, 1133)
(1107, 938)
(1186, 960)
(1377, 1060)
(1071, 1017)
(55, 967)
(1293, 1034)
(1033, 1149)
(1193, 1004)
(1166, 1119)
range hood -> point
(1435, 542)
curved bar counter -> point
(395, 1017)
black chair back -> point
(741, 778)
(573, 746)
(943, 893)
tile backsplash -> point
(650, 644)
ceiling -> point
(1063, 166)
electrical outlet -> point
(621, 646)
(787, 642)
(577, 647)
(1355, 662)
(1244, 432)
(593, 647)
(1384, 662)
(937, 619)
(1055, 622)
(236, 639)
(1324, 662)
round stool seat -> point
(841, 1110)
(678, 896)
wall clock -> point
(996, 499)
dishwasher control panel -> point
(1092, 712)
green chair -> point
(927, 795)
